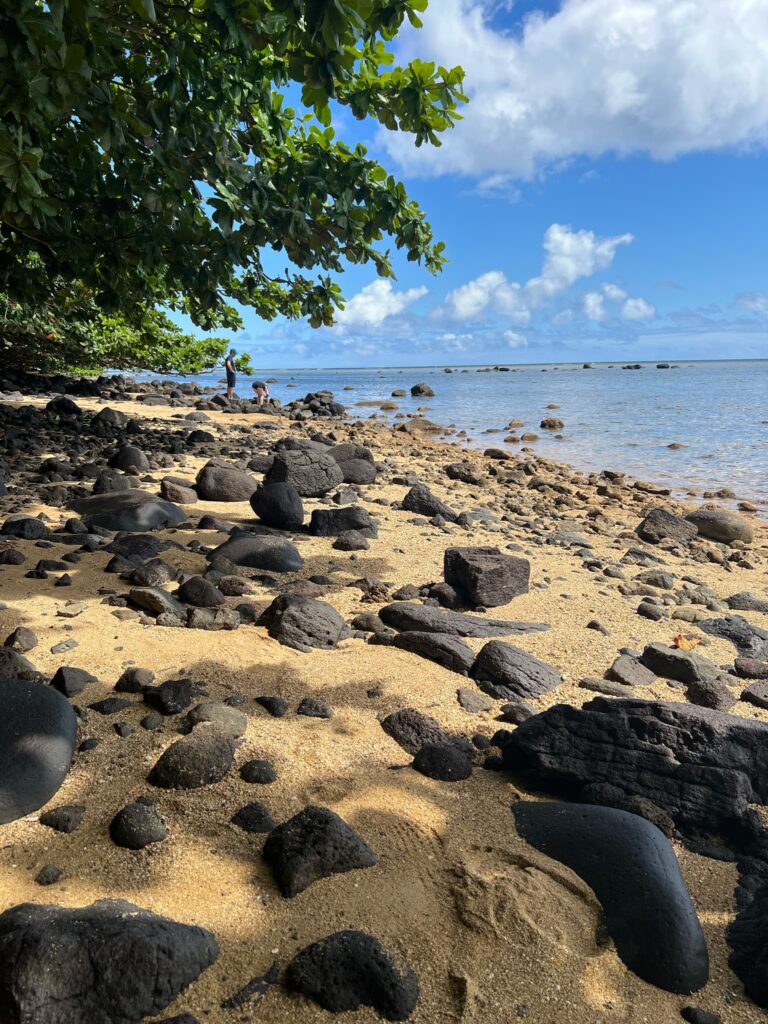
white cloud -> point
(515, 340)
(569, 256)
(374, 303)
(637, 309)
(754, 302)
(663, 77)
(614, 293)
(594, 306)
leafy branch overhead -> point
(148, 150)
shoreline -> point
(492, 928)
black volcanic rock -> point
(350, 969)
(314, 844)
(632, 869)
(121, 964)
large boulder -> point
(133, 511)
(37, 740)
(424, 503)
(486, 576)
(24, 527)
(130, 457)
(303, 623)
(279, 505)
(109, 963)
(272, 554)
(225, 483)
(632, 869)
(720, 525)
(404, 615)
(312, 473)
(314, 844)
(356, 463)
(350, 969)
(507, 673)
(332, 522)
(699, 768)
(661, 524)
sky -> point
(603, 198)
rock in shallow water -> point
(349, 969)
(314, 844)
(37, 739)
(109, 963)
(632, 869)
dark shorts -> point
(259, 384)
(231, 380)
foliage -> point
(149, 153)
(68, 333)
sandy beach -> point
(494, 929)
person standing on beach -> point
(231, 368)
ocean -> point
(614, 418)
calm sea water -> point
(614, 418)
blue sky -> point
(603, 198)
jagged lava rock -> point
(349, 969)
(314, 844)
(109, 963)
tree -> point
(148, 153)
(69, 333)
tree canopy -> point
(149, 153)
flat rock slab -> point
(673, 663)
(632, 869)
(630, 672)
(404, 615)
(37, 740)
(449, 651)
(350, 969)
(699, 767)
(751, 641)
(271, 554)
(486, 576)
(133, 511)
(314, 844)
(109, 963)
(507, 673)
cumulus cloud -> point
(514, 340)
(663, 77)
(568, 256)
(753, 302)
(637, 309)
(374, 303)
(594, 306)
